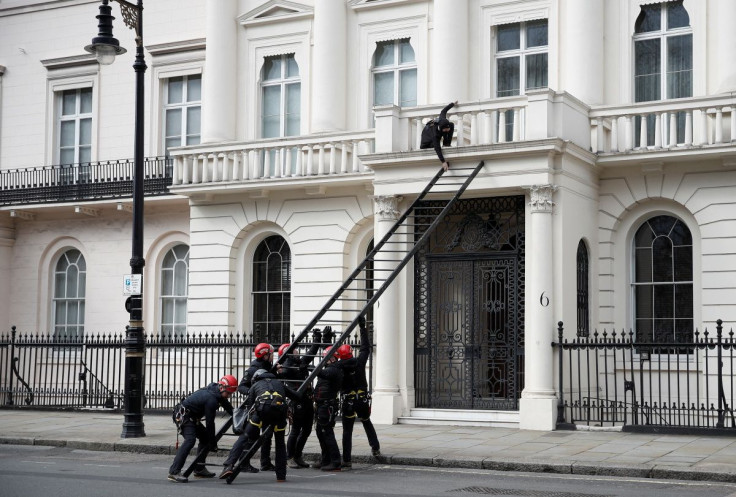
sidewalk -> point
(575, 452)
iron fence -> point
(83, 181)
(71, 372)
(614, 380)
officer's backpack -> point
(271, 403)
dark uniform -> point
(203, 403)
(434, 137)
(329, 382)
(268, 396)
(295, 370)
(356, 399)
(238, 446)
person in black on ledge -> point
(438, 132)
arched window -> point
(394, 74)
(582, 288)
(70, 280)
(663, 281)
(174, 291)
(663, 60)
(272, 291)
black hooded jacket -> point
(204, 403)
(257, 364)
(432, 135)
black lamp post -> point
(105, 47)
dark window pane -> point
(680, 66)
(677, 16)
(643, 330)
(644, 236)
(536, 33)
(643, 265)
(683, 263)
(260, 306)
(662, 259)
(643, 297)
(647, 70)
(259, 276)
(664, 301)
(508, 76)
(536, 71)
(664, 330)
(680, 235)
(650, 19)
(684, 330)
(662, 225)
(683, 301)
(509, 37)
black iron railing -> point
(610, 379)
(63, 372)
(82, 182)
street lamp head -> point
(104, 46)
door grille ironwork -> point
(469, 312)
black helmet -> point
(258, 375)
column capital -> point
(541, 197)
(386, 207)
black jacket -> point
(329, 382)
(204, 403)
(257, 364)
(268, 383)
(296, 368)
(432, 135)
(354, 378)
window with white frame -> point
(272, 291)
(280, 97)
(74, 126)
(394, 74)
(663, 59)
(182, 111)
(70, 280)
(521, 61)
(662, 283)
(174, 291)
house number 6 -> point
(543, 301)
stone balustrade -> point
(666, 124)
(318, 155)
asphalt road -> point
(36, 471)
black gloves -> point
(361, 322)
(328, 335)
(317, 336)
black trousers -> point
(257, 424)
(356, 408)
(191, 431)
(240, 446)
(326, 417)
(301, 428)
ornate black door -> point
(469, 312)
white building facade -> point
(290, 131)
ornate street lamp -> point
(106, 47)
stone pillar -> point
(329, 76)
(538, 407)
(449, 39)
(219, 90)
(581, 28)
(7, 240)
(386, 398)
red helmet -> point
(262, 350)
(283, 348)
(327, 351)
(229, 382)
(344, 351)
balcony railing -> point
(666, 124)
(323, 155)
(82, 182)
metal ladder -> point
(354, 298)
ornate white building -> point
(607, 127)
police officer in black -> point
(267, 398)
(329, 382)
(355, 397)
(188, 415)
(295, 369)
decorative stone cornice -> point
(541, 197)
(386, 207)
